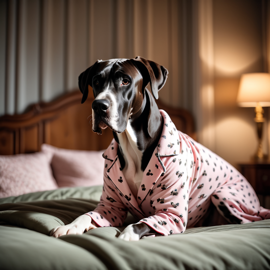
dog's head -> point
(118, 87)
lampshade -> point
(254, 88)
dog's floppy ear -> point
(152, 126)
(85, 79)
(153, 72)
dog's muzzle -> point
(100, 115)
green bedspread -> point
(27, 220)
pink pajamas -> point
(179, 182)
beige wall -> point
(238, 49)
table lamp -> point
(254, 91)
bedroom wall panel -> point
(175, 32)
(159, 45)
(124, 36)
(141, 26)
(237, 50)
(52, 50)
(77, 45)
(8, 71)
(203, 72)
(3, 18)
(28, 54)
(266, 46)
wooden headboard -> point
(65, 123)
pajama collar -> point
(168, 145)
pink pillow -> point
(24, 173)
(75, 167)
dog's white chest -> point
(133, 157)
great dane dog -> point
(160, 175)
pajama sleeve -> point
(110, 211)
(170, 198)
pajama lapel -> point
(116, 176)
(151, 174)
(168, 146)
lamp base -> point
(259, 156)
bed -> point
(51, 172)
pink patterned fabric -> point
(76, 168)
(178, 184)
(20, 174)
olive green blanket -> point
(27, 220)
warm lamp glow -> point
(254, 88)
(254, 91)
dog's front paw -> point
(135, 232)
(129, 234)
(78, 226)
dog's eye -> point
(96, 82)
(125, 82)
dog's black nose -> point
(100, 105)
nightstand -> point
(258, 175)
